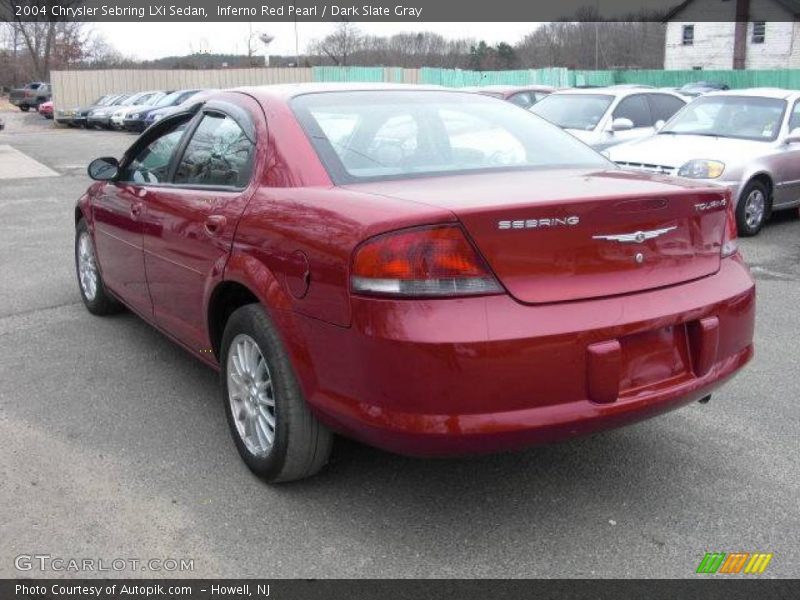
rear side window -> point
(663, 106)
(219, 154)
(636, 109)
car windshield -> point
(742, 117)
(573, 111)
(390, 135)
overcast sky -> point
(154, 40)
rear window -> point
(365, 136)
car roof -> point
(765, 92)
(617, 92)
(512, 88)
(288, 91)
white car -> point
(604, 117)
(135, 102)
(747, 140)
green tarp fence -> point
(560, 77)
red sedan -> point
(46, 109)
(521, 95)
(431, 272)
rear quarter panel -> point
(301, 227)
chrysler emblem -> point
(637, 237)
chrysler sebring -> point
(431, 272)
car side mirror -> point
(621, 124)
(659, 124)
(793, 137)
(104, 169)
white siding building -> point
(705, 34)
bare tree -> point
(341, 44)
(42, 39)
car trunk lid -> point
(554, 236)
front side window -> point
(688, 35)
(744, 117)
(151, 164)
(759, 32)
(794, 118)
(219, 154)
(636, 109)
(573, 111)
(390, 135)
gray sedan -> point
(747, 140)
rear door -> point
(191, 222)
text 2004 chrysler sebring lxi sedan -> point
(431, 272)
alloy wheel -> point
(87, 267)
(251, 395)
(754, 208)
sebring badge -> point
(540, 223)
(637, 237)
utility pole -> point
(597, 36)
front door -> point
(190, 224)
(787, 166)
(119, 214)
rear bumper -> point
(451, 377)
(98, 121)
(133, 125)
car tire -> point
(752, 209)
(262, 397)
(24, 107)
(94, 294)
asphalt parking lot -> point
(114, 444)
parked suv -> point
(30, 96)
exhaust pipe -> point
(705, 399)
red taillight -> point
(428, 261)
(729, 241)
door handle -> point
(215, 224)
(136, 209)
